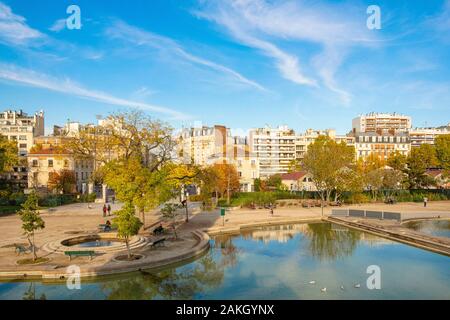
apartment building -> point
(382, 144)
(23, 128)
(427, 135)
(203, 145)
(304, 140)
(49, 157)
(209, 145)
(374, 122)
(274, 147)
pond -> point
(96, 243)
(278, 262)
(438, 228)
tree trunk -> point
(33, 247)
(175, 232)
(187, 211)
(128, 248)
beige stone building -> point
(210, 145)
(23, 128)
(48, 157)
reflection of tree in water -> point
(429, 225)
(30, 294)
(229, 252)
(168, 284)
(326, 243)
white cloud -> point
(14, 29)
(58, 26)
(28, 77)
(139, 37)
(261, 24)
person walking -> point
(109, 210)
(104, 210)
(425, 201)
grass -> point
(31, 261)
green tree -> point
(442, 144)
(397, 161)
(8, 154)
(323, 160)
(127, 224)
(31, 220)
(274, 181)
(418, 161)
(170, 212)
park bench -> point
(22, 249)
(103, 228)
(158, 230)
(159, 242)
(79, 254)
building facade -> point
(374, 122)
(274, 147)
(49, 157)
(22, 128)
(427, 135)
(381, 144)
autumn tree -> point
(63, 180)
(397, 161)
(8, 154)
(31, 220)
(324, 160)
(227, 179)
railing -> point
(369, 214)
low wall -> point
(369, 214)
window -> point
(22, 138)
(66, 163)
(23, 146)
(50, 163)
(35, 163)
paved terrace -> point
(76, 219)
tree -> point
(348, 179)
(31, 220)
(392, 180)
(127, 224)
(227, 179)
(323, 160)
(397, 161)
(295, 166)
(170, 212)
(418, 161)
(8, 154)
(63, 180)
(442, 144)
(274, 181)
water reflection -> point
(168, 284)
(439, 228)
(276, 262)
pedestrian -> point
(109, 210)
(104, 210)
(425, 201)
(113, 199)
(271, 209)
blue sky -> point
(243, 63)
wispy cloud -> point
(14, 29)
(58, 25)
(262, 24)
(139, 37)
(12, 73)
